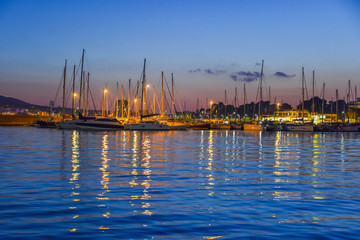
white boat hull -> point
(91, 125)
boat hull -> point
(220, 126)
(102, 124)
(236, 126)
(349, 128)
(252, 127)
(298, 128)
(147, 127)
(201, 126)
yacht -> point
(98, 123)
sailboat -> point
(302, 127)
(85, 122)
(143, 124)
(51, 123)
(255, 126)
(171, 123)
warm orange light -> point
(75, 94)
(278, 104)
(211, 102)
(135, 100)
(147, 86)
(105, 91)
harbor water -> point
(206, 184)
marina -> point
(141, 110)
(194, 120)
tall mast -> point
(348, 101)
(106, 101)
(269, 96)
(122, 101)
(73, 94)
(349, 90)
(143, 94)
(235, 103)
(129, 99)
(302, 94)
(117, 100)
(172, 97)
(323, 102)
(81, 79)
(355, 93)
(87, 94)
(336, 105)
(331, 108)
(154, 99)
(313, 92)
(207, 104)
(244, 101)
(84, 94)
(355, 100)
(225, 103)
(103, 103)
(260, 93)
(64, 86)
(162, 94)
(136, 99)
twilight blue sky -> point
(210, 46)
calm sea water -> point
(178, 185)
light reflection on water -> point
(193, 184)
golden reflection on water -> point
(286, 165)
(317, 141)
(104, 166)
(342, 148)
(75, 174)
(104, 179)
(141, 167)
(210, 162)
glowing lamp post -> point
(211, 103)
(73, 104)
(136, 106)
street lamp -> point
(135, 106)
(104, 102)
(210, 109)
(73, 104)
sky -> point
(210, 46)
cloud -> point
(195, 70)
(208, 71)
(234, 77)
(283, 75)
(243, 76)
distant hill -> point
(13, 102)
(9, 102)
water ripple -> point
(178, 185)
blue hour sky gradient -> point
(210, 46)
